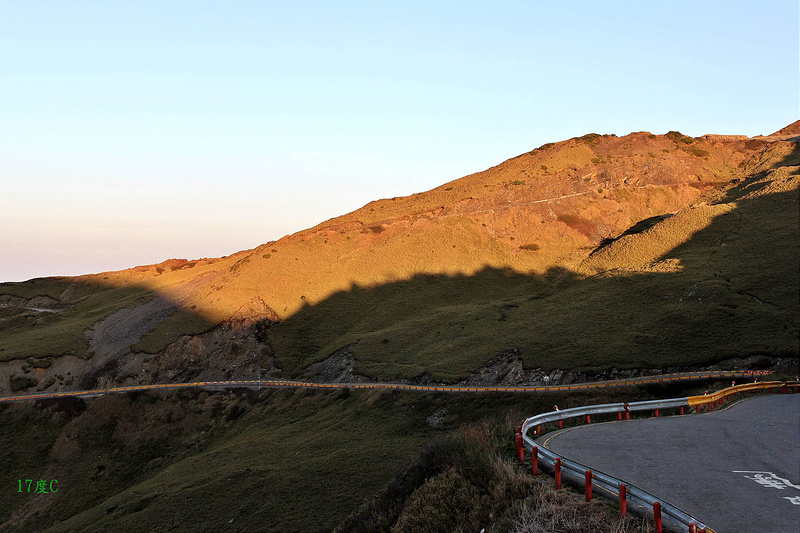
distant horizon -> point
(136, 134)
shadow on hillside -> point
(733, 295)
(68, 333)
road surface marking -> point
(772, 481)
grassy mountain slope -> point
(274, 461)
(717, 280)
(592, 253)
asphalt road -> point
(737, 469)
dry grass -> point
(547, 516)
(479, 486)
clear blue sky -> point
(131, 132)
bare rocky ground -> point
(236, 349)
(507, 369)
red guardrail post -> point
(588, 485)
(656, 413)
(627, 413)
(683, 411)
(520, 449)
(623, 500)
(657, 517)
(535, 461)
(588, 419)
(558, 473)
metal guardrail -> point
(582, 474)
(285, 383)
(612, 487)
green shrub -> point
(590, 138)
(570, 219)
(754, 144)
(443, 503)
(678, 137)
(544, 147)
(19, 383)
(240, 263)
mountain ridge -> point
(563, 212)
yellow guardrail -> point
(715, 397)
(623, 382)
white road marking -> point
(770, 480)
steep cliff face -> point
(584, 253)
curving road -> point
(282, 383)
(737, 469)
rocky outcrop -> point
(35, 303)
(116, 334)
(337, 367)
